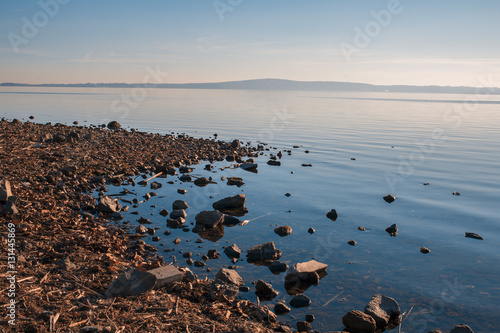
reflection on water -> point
(354, 141)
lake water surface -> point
(362, 146)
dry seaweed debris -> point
(66, 257)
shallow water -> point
(398, 142)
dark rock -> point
(456, 193)
(181, 191)
(212, 254)
(114, 125)
(332, 215)
(179, 204)
(141, 230)
(303, 326)
(235, 144)
(168, 232)
(311, 230)
(392, 230)
(164, 212)
(59, 138)
(358, 321)
(244, 289)
(462, 329)
(300, 301)
(144, 220)
(351, 242)
(117, 216)
(273, 162)
(155, 185)
(265, 290)
(187, 254)
(473, 235)
(232, 251)
(249, 166)
(213, 234)
(108, 205)
(9, 209)
(307, 165)
(175, 223)
(132, 282)
(283, 230)
(66, 264)
(151, 231)
(185, 169)
(209, 218)
(360, 228)
(424, 250)
(277, 267)
(202, 181)
(229, 276)
(155, 239)
(176, 213)
(288, 195)
(263, 252)
(231, 221)
(235, 181)
(281, 309)
(310, 318)
(385, 310)
(389, 198)
(185, 178)
(177, 241)
(5, 190)
(233, 202)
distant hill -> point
(278, 84)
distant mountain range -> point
(278, 84)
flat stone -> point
(385, 310)
(233, 202)
(358, 321)
(229, 276)
(132, 282)
(166, 275)
(249, 166)
(209, 218)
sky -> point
(411, 42)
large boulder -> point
(5, 191)
(108, 205)
(229, 276)
(209, 218)
(263, 252)
(385, 310)
(234, 202)
(358, 321)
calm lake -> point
(362, 146)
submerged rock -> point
(278, 267)
(392, 230)
(265, 291)
(302, 275)
(385, 310)
(300, 301)
(332, 215)
(473, 235)
(389, 198)
(179, 204)
(281, 309)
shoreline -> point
(66, 256)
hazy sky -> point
(448, 42)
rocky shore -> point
(72, 268)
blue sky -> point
(411, 42)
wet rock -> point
(351, 242)
(66, 264)
(281, 309)
(181, 191)
(389, 198)
(166, 275)
(213, 234)
(175, 223)
(199, 263)
(277, 267)
(141, 230)
(185, 169)
(358, 321)
(233, 202)
(177, 241)
(231, 221)
(114, 125)
(108, 205)
(212, 254)
(235, 144)
(385, 310)
(303, 326)
(265, 291)
(176, 213)
(360, 228)
(179, 204)
(144, 220)
(283, 230)
(263, 252)
(424, 250)
(462, 329)
(155, 185)
(237, 181)
(229, 276)
(306, 165)
(132, 282)
(273, 162)
(310, 318)
(164, 212)
(187, 254)
(473, 235)
(332, 215)
(151, 231)
(300, 301)
(155, 239)
(456, 193)
(185, 178)
(5, 190)
(232, 251)
(209, 218)
(189, 275)
(302, 275)
(202, 181)
(311, 231)
(249, 166)
(392, 230)
(117, 216)
(244, 289)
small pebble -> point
(311, 230)
(424, 250)
(351, 242)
